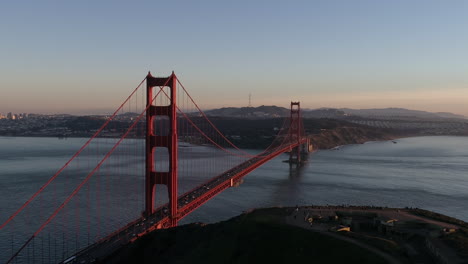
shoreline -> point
(343, 136)
(392, 139)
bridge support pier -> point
(162, 140)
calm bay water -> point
(424, 172)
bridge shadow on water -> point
(296, 172)
(288, 192)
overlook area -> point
(234, 132)
(326, 234)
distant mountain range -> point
(252, 112)
(276, 111)
(399, 112)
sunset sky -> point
(85, 57)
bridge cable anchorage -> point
(85, 180)
(70, 160)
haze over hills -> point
(260, 111)
(399, 112)
(276, 111)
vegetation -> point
(385, 245)
(459, 241)
(325, 133)
(348, 135)
(256, 237)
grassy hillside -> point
(255, 237)
(348, 135)
(325, 133)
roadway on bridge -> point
(186, 204)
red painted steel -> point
(77, 189)
(153, 141)
(295, 132)
(187, 209)
(72, 158)
(165, 222)
(179, 207)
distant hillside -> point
(276, 111)
(323, 113)
(129, 114)
(330, 138)
(273, 111)
(250, 112)
(449, 115)
(398, 112)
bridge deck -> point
(187, 203)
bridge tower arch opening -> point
(168, 141)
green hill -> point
(256, 237)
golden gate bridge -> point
(88, 208)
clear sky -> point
(86, 56)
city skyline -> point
(84, 57)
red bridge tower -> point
(295, 133)
(169, 141)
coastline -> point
(329, 139)
(383, 140)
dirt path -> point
(428, 220)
